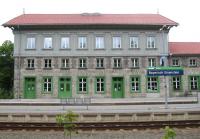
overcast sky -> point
(185, 12)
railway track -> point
(101, 125)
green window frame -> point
(153, 84)
(82, 85)
(193, 83)
(100, 85)
(47, 85)
(135, 84)
(176, 83)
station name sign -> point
(165, 71)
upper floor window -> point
(82, 42)
(100, 62)
(48, 43)
(64, 43)
(117, 63)
(135, 62)
(193, 62)
(152, 62)
(151, 42)
(99, 42)
(175, 62)
(30, 63)
(82, 63)
(64, 63)
(47, 63)
(30, 43)
(134, 42)
(116, 42)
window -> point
(48, 43)
(47, 63)
(134, 42)
(135, 84)
(175, 62)
(193, 63)
(82, 63)
(47, 84)
(151, 42)
(152, 84)
(152, 62)
(100, 83)
(99, 42)
(176, 82)
(82, 42)
(64, 43)
(135, 63)
(30, 43)
(30, 63)
(82, 85)
(117, 63)
(100, 63)
(65, 63)
(193, 82)
(116, 42)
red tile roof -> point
(184, 48)
(90, 19)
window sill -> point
(47, 68)
(135, 92)
(65, 49)
(31, 49)
(82, 68)
(151, 48)
(100, 92)
(100, 68)
(85, 92)
(117, 67)
(47, 49)
(116, 49)
(99, 48)
(30, 68)
(134, 67)
(134, 48)
(67, 68)
(82, 49)
(193, 66)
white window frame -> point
(48, 82)
(175, 62)
(82, 42)
(117, 42)
(194, 83)
(152, 84)
(135, 62)
(47, 63)
(30, 43)
(64, 43)
(101, 82)
(135, 84)
(176, 83)
(30, 63)
(99, 63)
(48, 43)
(82, 63)
(151, 62)
(117, 63)
(192, 62)
(82, 84)
(65, 63)
(99, 42)
(151, 42)
(134, 42)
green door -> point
(29, 88)
(117, 87)
(64, 88)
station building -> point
(99, 56)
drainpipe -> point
(19, 61)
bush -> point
(6, 94)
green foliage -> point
(169, 133)
(6, 70)
(67, 122)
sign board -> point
(164, 71)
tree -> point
(67, 122)
(169, 133)
(6, 69)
